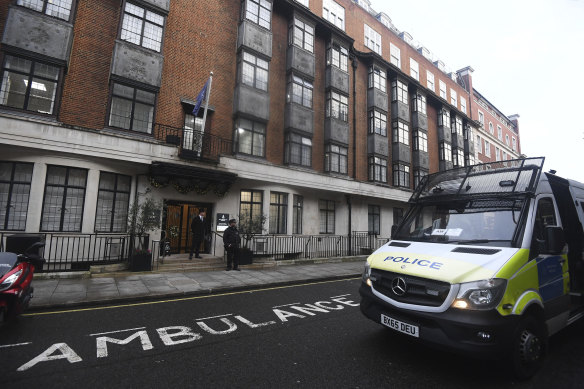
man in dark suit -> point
(199, 229)
(231, 241)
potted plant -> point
(248, 227)
(142, 218)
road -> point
(288, 337)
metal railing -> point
(193, 144)
(314, 246)
(72, 252)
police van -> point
(487, 261)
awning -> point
(187, 179)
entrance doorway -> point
(178, 216)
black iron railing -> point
(314, 246)
(72, 252)
(193, 144)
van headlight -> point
(366, 273)
(484, 294)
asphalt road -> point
(291, 337)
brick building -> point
(322, 116)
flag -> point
(200, 98)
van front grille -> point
(417, 290)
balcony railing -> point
(193, 144)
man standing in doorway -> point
(199, 230)
(231, 242)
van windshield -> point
(464, 222)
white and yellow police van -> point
(488, 261)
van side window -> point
(544, 216)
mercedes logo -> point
(398, 286)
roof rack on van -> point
(501, 178)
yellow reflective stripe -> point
(522, 276)
(526, 299)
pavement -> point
(67, 290)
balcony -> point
(194, 145)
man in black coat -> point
(231, 242)
(199, 228)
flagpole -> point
(207, 102)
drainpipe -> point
(354, 64)
(350, 229)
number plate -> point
(400, 326)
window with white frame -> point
(335, 159)
(254, 71)
(420, 139)
(414, 69)
(395, 55)
(491, 128)
(377, 122)
(497, 154)
(399, 91)
(419, 103)
(442, 86)
(453, 97)
(142, 27)
(507, 140)
(401, 132)
(250, 138)
(259, 12)
(482, 119)
(463, 104)
(504, 156)
(377, 78)
(250, 209)
(479, 144)
(337, 106)
(444, 118)
(372, 39)
(487, 148)
(301, 35)
(445, 152)
(499, 133)
(60, 8)
(514, 144)
(458, 157)
(377, 169)
(401, 175)
(456, 126)
(338, 56)
(299, 91)
(298, 150)
(430, 81)
(334, 13)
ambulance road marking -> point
(214, 317)
(285, 305)
(118, 331)
(14, 345)
(187, 298)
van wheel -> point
(529, 345)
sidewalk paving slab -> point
(110, 288)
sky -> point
(528, 59)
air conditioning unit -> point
(114, 249)
(260, 247)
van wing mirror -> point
(555, 239)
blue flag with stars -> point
(200, 98)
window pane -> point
(143, 118)
(52, 208)
(42, 96)
(121, 112)
(59, 8)
(131, 29)
(13, 92)
(36, 5)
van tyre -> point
(529, 346)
